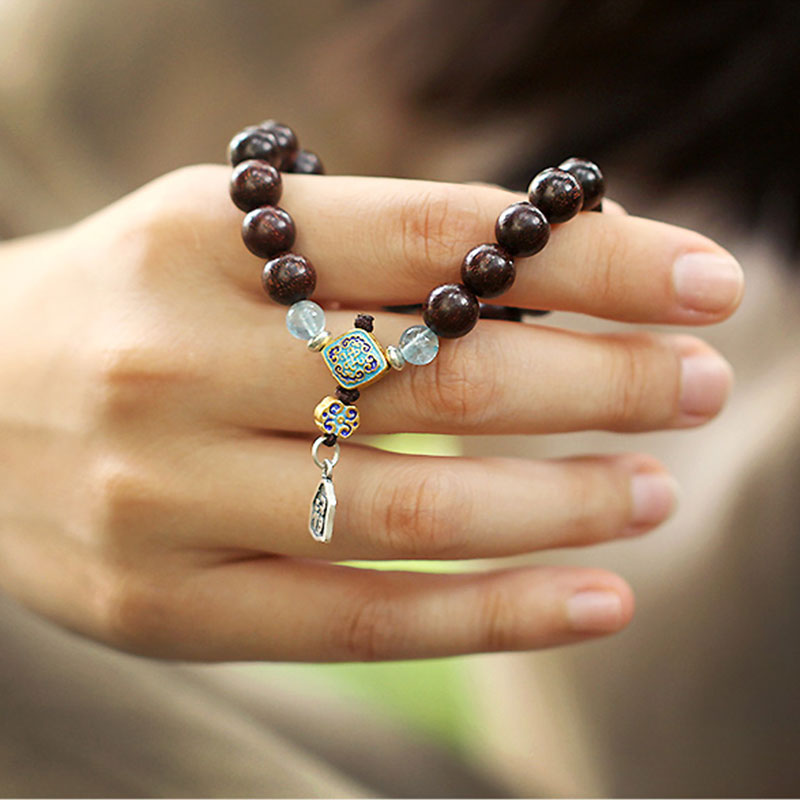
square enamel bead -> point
(355, 359)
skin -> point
(155, 421)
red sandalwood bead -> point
(522, 229)
(557, 194)
(287, 142)
(308, 163)
(590, 178)
(451, 310)
(488, 270)
(289, 278)
(255, 183)
(268, 231)
(254, 142)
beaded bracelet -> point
(355, 358)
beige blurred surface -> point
(699, 697)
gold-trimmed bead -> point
(335, 417)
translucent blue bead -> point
(419, 345)
(305, 319)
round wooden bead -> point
(507, 313)
(289, 278)
(268, 231)
(590, 178)
(254, 142)
(287, 142)
(557, 194)
(522, 229)
(255, 183)
(308, 163)
(488, 270)
(451, 310)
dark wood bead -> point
(268, 231)
(348, 396)
(507, 313)
(590, 178)
(255, 183)
(365, 322)
(451, 310)
(254, 142)
(557, 194)
(289, 278)
(308, 163)
(488, 270)
(287, 142)
(522, 229)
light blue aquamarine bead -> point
(419, 345)
(305, 319)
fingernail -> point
(707, 282)
(706, 381)
(595, 611)
(654, 496)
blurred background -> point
(693, 113)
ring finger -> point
(390, 506)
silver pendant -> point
(323, 506)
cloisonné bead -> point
(268, 231)
(522, 229)
(557, 194)
(418, 345)
(590, 178)
(488, 270)
(308, 163)
(254, 142)
(336, 418)
(305, 319)
(355, 359)
(289, 278)
(451, 310)
(255, 183)
(287, 142)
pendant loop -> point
(326, 464)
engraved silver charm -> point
(323, 506)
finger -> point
(293, 610)
(379, 241)
(502, 378)
(390, 506)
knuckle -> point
(631, 381)
(598, 505)
(498, 624)
(136, 613)
(120, 491)
(154, 221)
(134, 370)
(368, 630)
(424, 513)
(461, 387)
(608, 253)
(434, 227)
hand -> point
(155, 421)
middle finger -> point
(504, 378)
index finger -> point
(381, 241)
